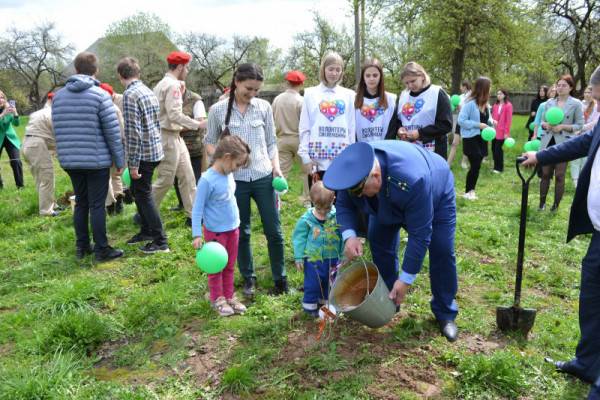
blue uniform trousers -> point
(316, 283)
(384, 241)
(588, 348)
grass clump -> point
(238, 379)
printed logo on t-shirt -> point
(372, 111)
(325, 150)
(409, 109)
(331, 109)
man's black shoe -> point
(140, 238)
(281, 287)
(151, 248)
(81, 252)
(108, 253)
(249, 287)
(449, 330)
(571, 367)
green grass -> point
(141, 327)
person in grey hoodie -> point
(88, 142)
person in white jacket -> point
(327, 124)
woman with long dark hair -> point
(374, 106)
(250, 118)
(473, 118)
(542, 96)
(502, 117)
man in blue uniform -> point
(401, 185)
(584, 218)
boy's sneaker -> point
(222, 307)
(140, 238)
(236, 305)
(151, 248)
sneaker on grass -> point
(222, 307)
(151, 248)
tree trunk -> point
(458, 60)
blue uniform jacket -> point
(414, 181)
(580, 146)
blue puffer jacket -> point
(86, 126)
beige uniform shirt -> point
(118, 100)
(171, 116)
(286, 111)
(40, 125)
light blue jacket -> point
(311, 239)
(469, 120)
(86, 127)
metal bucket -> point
(360, 292)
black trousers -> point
(142, 193)
(473, 148)
(91, 187)
(498, 154)
(197, 168)
(15, 161)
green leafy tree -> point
(143, 36)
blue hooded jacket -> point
(86, 126)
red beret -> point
(178, 57)
(50, 95)
(295, 77)
(108, 88)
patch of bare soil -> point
(478, 344)
(207, 359)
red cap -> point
(178, 57)
(50, 95)
(108, 88)
(295, 77)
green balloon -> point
(212, 257)
(455, 100)
(126, 178)
(528, 146)
(510, 142)
(488, 134)
(280, 184)
(532, 126)
(452, 107)
(554, 115)
(536, 144)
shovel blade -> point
(515, 319)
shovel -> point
(515, 318)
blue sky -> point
(81, 24)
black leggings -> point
(559, 171)
(473, 149)
(15, 161)
(498, 154)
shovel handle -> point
(519, 161)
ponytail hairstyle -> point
(481, 91)
(244, 72)
(415, 69)
(362, 85)
(570, 81)
(232, 145)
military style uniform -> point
(417, 194)
(176, 161)
(38, 146)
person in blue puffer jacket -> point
(88, 142)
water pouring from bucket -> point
(360, 292)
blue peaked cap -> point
(350, 167)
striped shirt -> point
(142, 128)
(255, 127)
